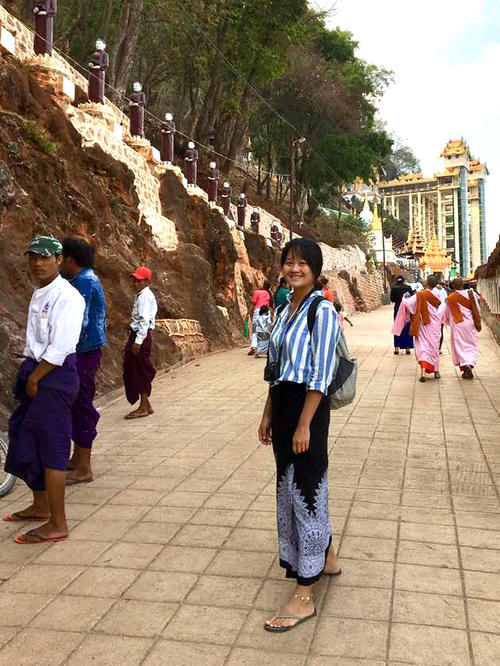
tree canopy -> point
(243, 75)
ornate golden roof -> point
(455, 147)
(435, 257)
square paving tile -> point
(418, 644)
(486, 648)
(102, 582)
(183, 558)
(251, 657)
(110, 651)
(430, 554)
(67, 613)
(484, 615)
(182, 653)
(368, 548)
(350, 638)
(363, 603)
(482, 585)
(433, 609)
(243, 538)
(208, 536)
(73, 552)
(362, 573)
(240, 563)
(161, 586)
(129, 555)
(222, 591)
(41, 579)
(37, 646)
(17, 609)
(204, 624)
(136, 618)
(435, 580)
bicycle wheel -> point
(7, 481)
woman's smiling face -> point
(298, 272)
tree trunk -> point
(122, 54)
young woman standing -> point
(296, 420)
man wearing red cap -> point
(138, 369)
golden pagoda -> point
(435, 258)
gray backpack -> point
(342, 390)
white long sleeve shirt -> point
(143, 314)
(55, 318)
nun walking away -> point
(295, 421)
(398, 292)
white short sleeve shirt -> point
(55, 319)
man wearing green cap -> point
(47, 385)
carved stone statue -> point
(44, 26)
(167, 139)
(99, 63)
(213, 182)
(191, 164)
(255, 220)
(137, 104)
(241, 206)
(276, 233)
(225, 195)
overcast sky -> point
(445, 55)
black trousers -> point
(304, 530)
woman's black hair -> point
(306, 249)
(282, 283)
(80, 251)
(337, 306)
(400, 279)
(267, 286)
(263, 310)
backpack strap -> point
(311, 313)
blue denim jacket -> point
(93, 333)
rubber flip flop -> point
(16, 518)
(327, 573)
(39, 539)
(422, 379)
(75, 482)
(281, 630)
(129, 417)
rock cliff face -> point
(50, 183)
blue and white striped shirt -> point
(306, 359)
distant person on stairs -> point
(463, 318)
(138, 369)
(77, 267)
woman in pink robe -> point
(428, 334)
(463, 334)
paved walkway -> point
(172, 555)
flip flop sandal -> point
(129, 417)
(327, 573)
(396, 353)
(281, 630)
(75, 482)
(422, 379)
(39, 539)
(17, 518)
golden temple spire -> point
(376, 221)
